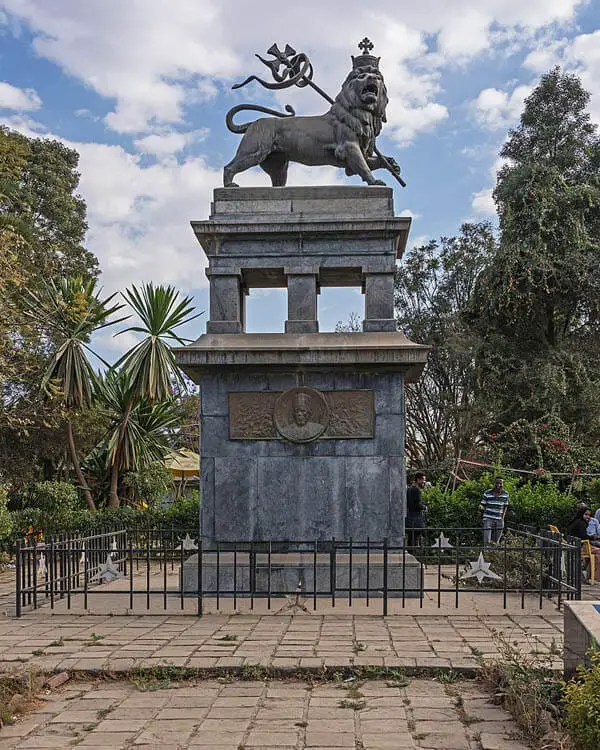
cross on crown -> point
(366, 45)
(365, 59)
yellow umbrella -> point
(183, 463)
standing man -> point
(415, 510)
(494, 504)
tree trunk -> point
(89, 500)
(113, 499)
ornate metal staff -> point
(298, 71)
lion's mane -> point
(350, 112)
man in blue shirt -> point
(593, 531)
(494, 504)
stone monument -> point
(302, 432)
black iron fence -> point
(166, 567)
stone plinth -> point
(303, 239)
(302, 433)
(582, 632)
(271, 488)
(286, 571)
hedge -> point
(531, 503)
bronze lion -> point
(342, 137)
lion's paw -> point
(378, 182)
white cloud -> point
(583, 56)
(169, 143)
(154, 57)
(18, 100)
(116, 345)
(580, 55)
(483, 203)
(409, 213)
(465, 35)
(498, 110)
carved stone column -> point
(302, 304)
(379, 302)
(226, 302)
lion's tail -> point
(242, 127)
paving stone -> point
(496, 742)
(330, 739)
(106, 739)
(443, 741)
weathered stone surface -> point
(277, 352)
(582, 630)
(302, 239)
(274, 489)
(288, 450)
(253, 415)
(288, 570)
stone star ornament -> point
(187, 544)
(41, 566)
(442, 542)
(108, 572)
(480, 570)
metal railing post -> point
(18, 566)
(385, 577)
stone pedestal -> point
(302, 433)
(286, 571)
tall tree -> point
(149, 368)
(537, 305)
(72, 310)
(434, 288)
(42, 230)
(139, 429)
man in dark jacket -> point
(415, 510)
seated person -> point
(593, 530)
(579, 529)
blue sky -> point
(141, 87)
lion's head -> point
(364, 89)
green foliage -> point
(516, 561)
(527, 686)
(71, 308)
(150, 365)
(152, 483)
(546, 445)
(42, 227)
(536, 504)
(144, 378)
(6, 521)
(582, 703)
(537, 304)
(434, 287)
(138, 432)
(57, 503)
(46, 518)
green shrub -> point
(58, 503)
(152, 483)
(6, 522)
(185, 512)
(582, 703)
(536, 504)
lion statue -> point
(342, 137)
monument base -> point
(286, 571)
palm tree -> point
(149, 368)
(71, 310)
(138, 434)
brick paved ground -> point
(85, 642)
(267, 715)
